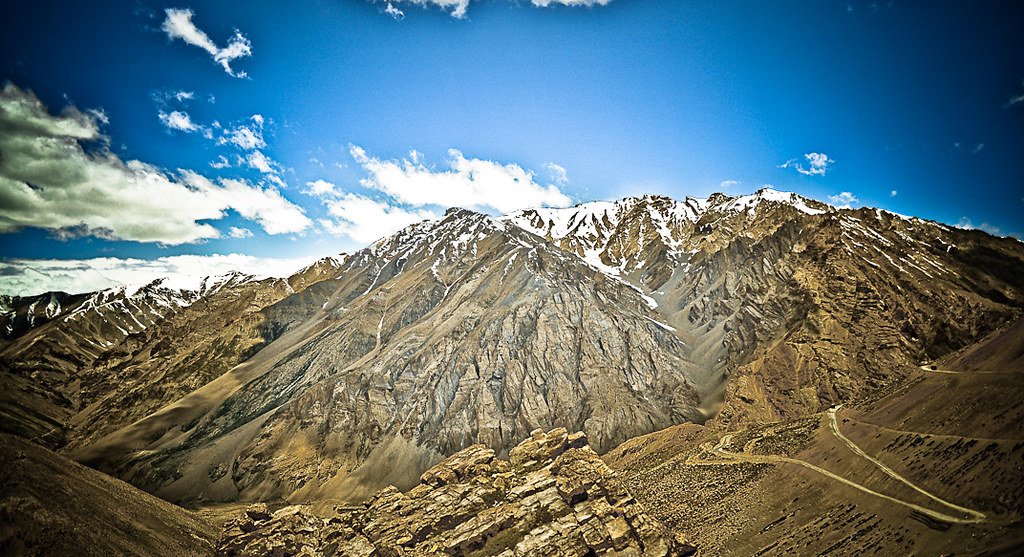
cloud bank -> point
(49, 180)
(25, 277)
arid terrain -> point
(762, 375)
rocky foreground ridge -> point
(553, 496)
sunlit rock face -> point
(554, 496)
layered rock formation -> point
(553, 497)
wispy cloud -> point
(893, 193)
(469, 183)
(459, 8)
(726, 184)
(178, 25)
(558, 173)
(180, 120)
(239, 232)
(49, 180)
(966, 224)
(817, 164)
(247, 136)
(1016, 99)
(967, 149)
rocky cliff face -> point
(554, 496)
(449, 333)
(793, 305)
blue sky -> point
(627, 96)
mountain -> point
(618, 319)
(50, 505)
(794, 305)
(445, 334)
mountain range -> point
(703, 346)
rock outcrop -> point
(553, 497)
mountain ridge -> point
(478, 328)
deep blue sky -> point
(638, 96)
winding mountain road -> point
(736, 458)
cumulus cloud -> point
(470, 183)
(458, 8)
(817, 164)
(365, 220)
(179, 25)
(843, 200)
(320, 188)
(893, 193)
(25, 277)
(49, 180)
(359, 217)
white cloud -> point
(320, 188)
(558, 174)
(365, 220)
(587, 3)
(458, 8)
(179, 25)
(817, 164)
(266, 206)
(893, 193)
(469, 183)
(49, 181)
(359, 217)
(246, 137)
(221, 162)
(977, 148)
(843, 200)
(239, 232)
(184, 96)
(728, 184)
(181, 121)
(1016, 99)
(263, 163)
(966, 224)
(35, 276)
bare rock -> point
(555, 498)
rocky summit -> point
(553, 497)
